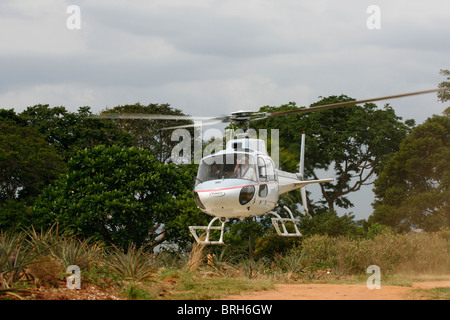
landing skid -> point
(284, 232)
(208, 229)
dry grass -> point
(196, 257)
(143, 275)
(412, 252)
(46, 273)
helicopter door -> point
(262, 170)
(270, 170)
(266, 172)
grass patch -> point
(191, 286)
(136, 292)
(438, 293)
(431, 294)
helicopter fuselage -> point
(241, 181)
(236, 198)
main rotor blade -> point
(349, 103)
(192, 125)
(153, 116)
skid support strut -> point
(284, 232)
(208, 229)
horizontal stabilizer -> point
(305, 183)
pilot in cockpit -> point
(243, 170)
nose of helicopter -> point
(229, 200)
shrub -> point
(132, 264)
(413, 252)
(64, 248)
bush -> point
(132, 264)
(412, 252)
(65, 248)
(271, 244)
(116, 195)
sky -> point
(212, 57)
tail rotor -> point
(301, 174)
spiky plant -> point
(16, 254)
(132, 264)
(292, 263)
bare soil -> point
(341, 292)
(291, 291)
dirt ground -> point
(292, 291)
(340, 292)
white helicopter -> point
(242, 181)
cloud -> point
(195, 52)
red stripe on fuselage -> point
(236, 187)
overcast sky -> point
(211, 57)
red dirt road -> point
(340, 292)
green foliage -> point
(353, 142)
(147, 133)
(323, 223)
(271, 244)
(291, 262)
(14, 215)
(27, 162)
(70, 132)
(414, 188)
(444, 95)
(16, 254)
(115, 195)
(243, 234)
(413, 252)
(131, 264)
(329, 223)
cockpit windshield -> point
(227, 166)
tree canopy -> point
(413, 190)
(352, 143)
(27, 162)
(70, 132)
(116, 195)
(149, 134)
(445, 94)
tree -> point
(117, 195)
(150, 134)
(444, 95)
(70, 132)
(27, 162)
(329, 223)
(413, 190)
(353, 143)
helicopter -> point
(242, 180)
